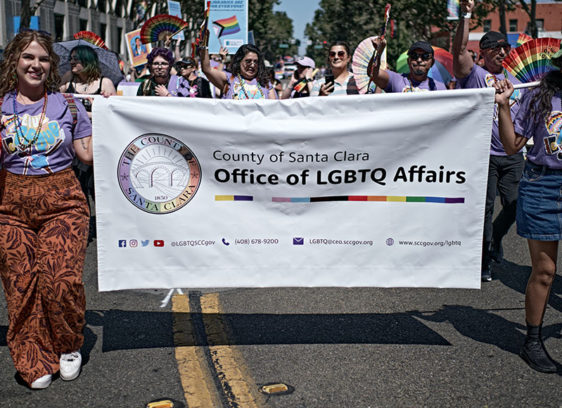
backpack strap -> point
(73, 109)
(432, 86)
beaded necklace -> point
(242, 82)
(19, 133)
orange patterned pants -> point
(43, 237)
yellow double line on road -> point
(213, 374)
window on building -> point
(83, 24)
(119, 8)
(540, 24)
(101, 6)
(513, 26)
(83, 3)
(103, 30)
(119, 37)
(59, 27)
(487, 25)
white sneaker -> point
(70, 365)
(42, 382)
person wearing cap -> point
(300, 84)
(539, 216)
(504, 170)
(420, 61)
(191, 85)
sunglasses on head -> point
(426, 56)
(340, 54)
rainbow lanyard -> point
(19, 133)
(241, 80)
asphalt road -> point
(336, 347)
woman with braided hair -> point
(43, 212)
(539, 216)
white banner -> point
(370, 190)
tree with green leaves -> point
(28, 10)
(271, 29)
(355, 20)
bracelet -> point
(466, 15)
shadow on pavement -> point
(515, 277)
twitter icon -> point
(145, 242)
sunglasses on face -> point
(340, 54)
(250, 62)
(186, 66)
(497, 48)
(426, 56)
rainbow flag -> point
(300, 86)
(226, 26)
(453, 9)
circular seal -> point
(158, 173)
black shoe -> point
(534, 354)
(497, 252)
(487, 274)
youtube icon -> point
(158, 243)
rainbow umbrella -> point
(441, 71)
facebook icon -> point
(122, 243)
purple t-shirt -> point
(546, 133)
(401, 83)
(173, 85)
(245, 90)
(481, 78)
(53, 150)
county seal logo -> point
(158, 173)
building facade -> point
(548, 18)
(110, 19)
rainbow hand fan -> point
(91, 37)
(361, 57)
(160, 28)
(531, 61)
(523, 38)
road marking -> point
(238, 387)
(199, 390)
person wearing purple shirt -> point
(420, 61)
(161, 82)
(539, 216)
(504, 170)
(248, 78)
(44, 215)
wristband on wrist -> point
(466, 15)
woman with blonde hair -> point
(43, 212)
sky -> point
(301, 12)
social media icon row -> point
(133, 243)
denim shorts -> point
(539, 205)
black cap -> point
(493, 39)
(188, 61)
(421, 45)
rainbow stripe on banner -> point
(233, 198)
(395, 199)
(227, 26)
